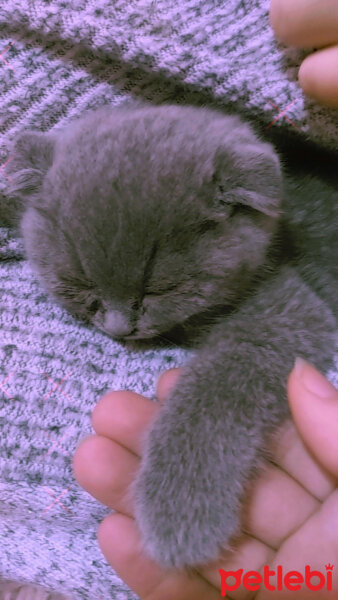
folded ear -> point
(32, 155)
(250, 175)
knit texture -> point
(57, 60)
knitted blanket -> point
(57, 60)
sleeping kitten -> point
(142, 221)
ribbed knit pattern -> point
(58, 59)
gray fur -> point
(142, 221)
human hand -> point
(311, 24)
(292, 513)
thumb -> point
(314, 406)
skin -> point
(291, 516)
(311, 24)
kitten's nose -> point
(117, 324)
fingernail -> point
(314, 381)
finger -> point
(166, 382)
(318, 76)
(125, 417)
(105, 469)
(248, 553)
(276, 505)
(314, 544)
(120, 542)
(305, 23)
(314, 406)
(290, 453)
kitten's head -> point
(137, 220)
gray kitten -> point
(167, 219)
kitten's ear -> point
(253, 179)
(32, 155)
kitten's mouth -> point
(188, 333)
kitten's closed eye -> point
(94, 306)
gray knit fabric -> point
(58, 59)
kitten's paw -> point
(185, 509)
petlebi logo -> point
(277, 580)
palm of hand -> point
(290, 519)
